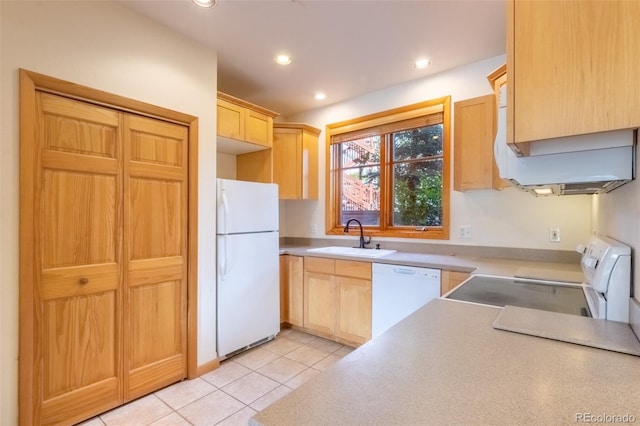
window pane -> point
(361, 152)
(417, 143)
(417, 193)
(360, 197)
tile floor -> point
(239, 388)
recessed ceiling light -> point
(204, 3)
(319, 96)
(283, 59)
(421, 63)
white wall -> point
(105, 46)
(508, 218)
(617, 215)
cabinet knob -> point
(83, 281)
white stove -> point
(606, 264)
(604, 294)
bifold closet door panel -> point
(155, 235)
(78, 258)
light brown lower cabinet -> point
(337, 298)
(291, 290)
(332, 297)
(450, 280)
(354, 309)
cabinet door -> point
(354, 312)
(295, 160)
(296, 290)
(474, 133)
(155, 235)
(320, 302)
(287, 164)
(309, 160)
(77, 365)
(231, 120)
(572, 67)
(284, 288)
(258, 128)
(254, 166)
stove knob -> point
(590, 262)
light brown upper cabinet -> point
(104, 265)
(474, 132)
(243, 121)
(246, 130)
(295, 160)
(498, 78)
(573, 68)
(255, 166)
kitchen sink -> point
(352, 251)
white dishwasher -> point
(398, 291)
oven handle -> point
(596, 302)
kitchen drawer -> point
(350, 268)
(319, 264)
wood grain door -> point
(287, 163)
(320, 299)
(354, 309)
(103, 297)
(295, 276)
(569, 68)
(473, 139)
(155, 235)
(77, 222)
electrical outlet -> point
(464, 233)
(314, 229)
(554, 235)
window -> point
(391, 172)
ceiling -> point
(343, 48)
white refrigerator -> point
(248, 276)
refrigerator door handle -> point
(223, 259)
(225, 210)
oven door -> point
(567, 298)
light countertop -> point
(554, 271)
(446, 364)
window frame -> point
(332, 175)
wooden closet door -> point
(155, 235)
(77, 364)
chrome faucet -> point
(362, 242)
